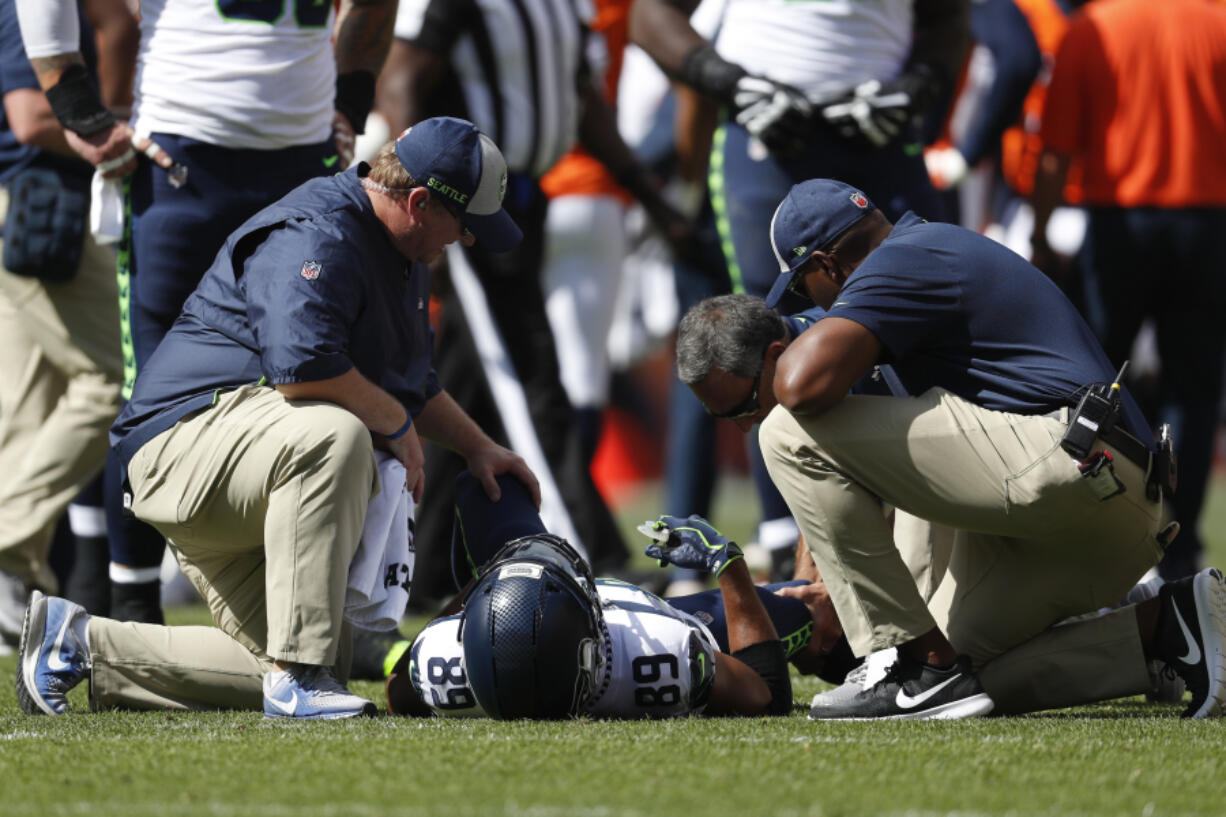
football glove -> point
(689, 542)
(778, 115)
(876, 113)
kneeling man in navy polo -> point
(250, 438)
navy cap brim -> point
(496, 232)
(778, 288)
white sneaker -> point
(308, 691)
(870, 671)
(54, 654)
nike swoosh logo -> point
(54, 662)
(1193, 656)
(285, 706)
(905, 701)
(331, 160)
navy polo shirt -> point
(305, 290)
(957, 310)
(16, 73)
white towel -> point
(382, 568)
(105, 209)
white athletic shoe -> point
(912, 690)
(53, 656)
(308, 691)
(871, 670)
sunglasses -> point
(465, 234)
(796, 285)
(749, 405)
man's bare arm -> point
(364, 34)
(32, 123)
(444, 422)
(819, 368)
(412, 75)
(118, 36)
(378, 410)
(662, 29)
(738, 689)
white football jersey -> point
(236, 73)
(822, 47)
(436, 668)
(659, 661)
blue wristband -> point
(404, 429)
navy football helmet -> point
(533, 633)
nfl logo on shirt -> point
(311, 270)
(857, 199)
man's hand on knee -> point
(491, 460)
(827, 629)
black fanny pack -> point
(44, 231)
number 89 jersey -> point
(659, 661)
(436, 670)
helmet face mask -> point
(533, 632)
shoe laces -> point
(858, 674)
(318, 679)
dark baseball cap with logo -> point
(465, 171)
(812, 216)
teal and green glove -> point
(690, 542)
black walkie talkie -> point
(1094, 416)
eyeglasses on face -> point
(749, 405)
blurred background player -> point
(59, 322)
(1000, 71)
(831, 89)
(586, 244)
(252, 99)
(1138, 95)
(520, 72)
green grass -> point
(1123, 758)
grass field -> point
(1123, 758)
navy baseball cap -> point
(465, 170)
(812, 216)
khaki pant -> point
(262, 501)
(60, 372)
(1032, 544)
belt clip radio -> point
(1094, 416)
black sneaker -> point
(913, 691)
(1191, 638)
(374, 653)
